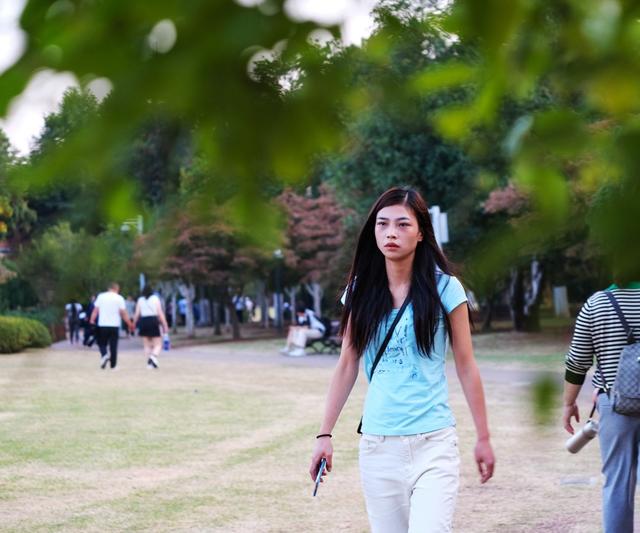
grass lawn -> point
(220, 437)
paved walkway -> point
(266, 353)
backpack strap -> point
(625, 324)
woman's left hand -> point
(485, 459)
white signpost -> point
(440, 225)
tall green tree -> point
(17, 218)
(63, 263)
(71, 193)
(159, 149)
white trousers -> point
(410, 482)
(301, 335)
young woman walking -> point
(149, 312)
(409, 461)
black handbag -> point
(383, 347)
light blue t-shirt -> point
(408, 393)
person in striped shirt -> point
(599, 333)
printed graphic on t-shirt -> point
(397, 356)
(402, 350)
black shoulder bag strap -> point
(383, 346)
(627, 329)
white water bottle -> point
(580, 439)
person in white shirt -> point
(309, 327)
(109, 309)
(72, 311)
(149, 312)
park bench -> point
(330, 342)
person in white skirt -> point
(149, 316)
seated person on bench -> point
(308, 327)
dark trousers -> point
(89, 334)
(109, 336)
(74, 332)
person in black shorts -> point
(150, 317)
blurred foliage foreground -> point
(247, 100)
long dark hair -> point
(368, 298)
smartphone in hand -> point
(321, 468)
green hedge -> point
(18, 333)
(52, 318)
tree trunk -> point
(174, 313)
(204, 307)
(215, 314)
(525, 293)
(235, 325)
(292, 292)
(533, 297)
(516, 298)
(188, 292)
(169, 290)
(217, 330)
(486, 320)
(214, 310)
(316, 292)
(262, 302)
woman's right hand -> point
(323, 448)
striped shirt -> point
(600, 333)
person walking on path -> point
(401, 292)
(600, 332)
(109, 309)
(73, 310)
(89, 329)
(149, 312)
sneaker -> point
(298, 352)
(115, 368)
(103, 362)
(284, 351)
(152, 362)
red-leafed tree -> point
(508, 200)
(314, 236)
(195, 249)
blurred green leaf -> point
(455, 122)
(120, 201)
(615, 91)
(545, 394)
(443, 77)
